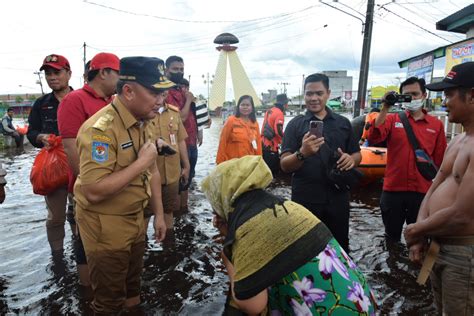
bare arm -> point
(252, 306)
(72, 154)
(184, 112)
(115, 182)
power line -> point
(243, 31)
(351, 8)
(401, 17)
(192, 21)
(362, 21)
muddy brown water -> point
(186, 277)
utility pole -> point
(364, 63)
(39, 81)
(84, 55)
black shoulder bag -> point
(425, 165)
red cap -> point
(105, 60)
(56, 61)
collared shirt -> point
(309, 183)
(273, 117)
(177, 98)
(238, 138)
(401, 173)
(76, 108)
(170, 128)
(108, 142)
(43, 118)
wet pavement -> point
(184, 277)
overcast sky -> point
(280, 40)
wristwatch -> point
(299, 155)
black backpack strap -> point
(411, 136)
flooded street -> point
(184, 277)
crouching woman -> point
(280, 258)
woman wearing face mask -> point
(404, 187)
(240, 135)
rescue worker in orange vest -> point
(272, 133)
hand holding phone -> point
(316, 128)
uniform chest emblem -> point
(398, 125)
(100, 151)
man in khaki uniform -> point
(118, 177)
(169, 129)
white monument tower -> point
(240, 81)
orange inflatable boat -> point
(374, 160)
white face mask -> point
(414, 105)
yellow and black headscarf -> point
(268, 237)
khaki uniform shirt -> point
(170, 128)
(108, 142)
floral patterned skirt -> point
(329, 284)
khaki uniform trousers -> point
(169, 198)
(114, 246)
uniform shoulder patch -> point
(103, 122)
(173, 108)
(100, 151)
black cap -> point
(282, 99)
(461, 75)
(147, 71)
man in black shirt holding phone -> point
(308, 157)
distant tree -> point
(19, 99)
(32, 98)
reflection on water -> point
(184, 277)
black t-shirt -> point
(43, 118)
(309, 183)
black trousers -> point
(335, 214)
(272, 159)
(398, 208)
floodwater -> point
(186, 277)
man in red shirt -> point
(74, 110)
(181, 98)
(404, 187)
(272, 133)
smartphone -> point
(316, 128)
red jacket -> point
(401, 173)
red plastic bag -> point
(50, 168)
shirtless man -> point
(446, 214)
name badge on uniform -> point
(100, 151)
(127, 145)
(398, 125)
(173, 139)
(254, 144)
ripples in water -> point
(184, 277)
